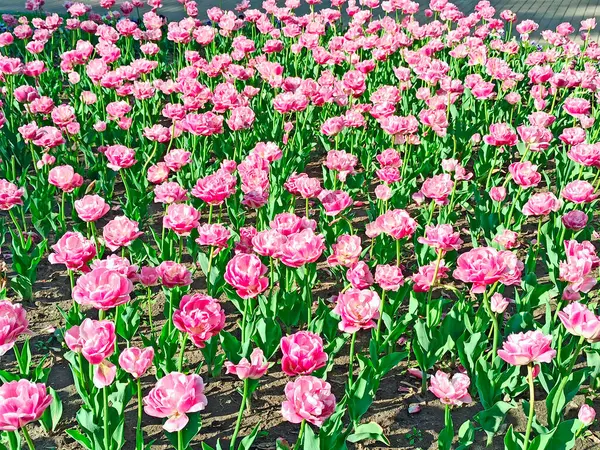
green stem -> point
(381, 304)
(139, 435)
(440, 253)
(351, 361)
(398, 252)
(180, 440)
(494, 318)
(107, 445)
(28, 438)
(184, 338)
(531, 406)
(300, 435)
(240, 416)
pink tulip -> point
(341, 162)
(91, 208)
(357, 309)
(174, 274)
(438, 188)
(302, 353)
(22, 402)
(216, 188)
(169, 192)
(498, 303)
(10, 195)
(174, 396)
(269, 243)
(148, 276)
(65, 178)
(441, 237)
(521, 349)
(501, 134)
(94, 339)
(360, 276)
(181, 218)
(302, 248)
(388, 277)
(586, 414)
(200, 316)
(579, 191)
(507, 239)
(253, 369)
(423, 279)
(213, 235)
(498, 193)
(13, 323)
(483, 266)
(346, 251)
(308, 398)
(525, 174)
(334, 202)
(580, 321)
(245, 273)
(120, 232)
(453, 391)
(397, 223)
(136, 361)
(102, 289)
(74, 251)
(104, 374)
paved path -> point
(547, 13)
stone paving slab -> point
(547, 13)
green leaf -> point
(310, 441)
(370, 430)
(189, 432)
(491, 419)
(79, 437)
(246, 443)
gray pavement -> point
(547, 13)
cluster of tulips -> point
(269, 191)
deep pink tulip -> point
(200, 316)
(302, 353)
(174, 396)
(245, 273)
